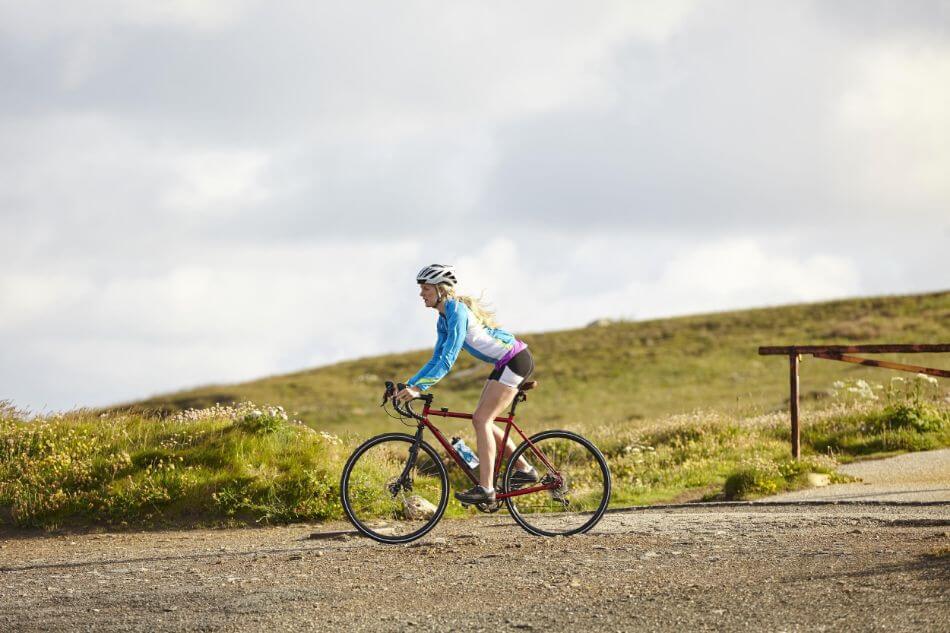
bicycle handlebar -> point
(391, 390)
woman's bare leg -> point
(500, 435)
(509, 446)
(495, 398)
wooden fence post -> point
(793, 404)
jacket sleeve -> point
(429, 368)
(446, 349)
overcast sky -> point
(198, 192)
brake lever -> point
(404, 408)
(390, 392)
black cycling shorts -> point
(516, 371)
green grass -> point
(249, 464)
(682, 408)
(217, 466)
(718, 456)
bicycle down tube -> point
(509, 422)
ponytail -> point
(475, 305)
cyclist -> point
(465, 324)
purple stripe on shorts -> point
(514, 351)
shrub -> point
(759, 477)
(754, 477)
(920, 417)
(263, 421)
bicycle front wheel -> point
(581, 499)
(391, 493)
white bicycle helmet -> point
(437, 274)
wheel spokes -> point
(578, 501)
(388, 500)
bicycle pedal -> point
(490, 507)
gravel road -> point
(780, 568)
(923, 476)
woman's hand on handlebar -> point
(406, 394)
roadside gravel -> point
(782, 568)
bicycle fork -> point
(404, 481)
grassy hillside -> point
(682, 408)
(625, 374)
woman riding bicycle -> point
(464, 323)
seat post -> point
(521, 396)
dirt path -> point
(781, 568)
(923, 476)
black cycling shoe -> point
(475, 495)
(520, 478)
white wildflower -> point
(330, 438)
(926, 378)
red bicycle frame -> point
(509, 422)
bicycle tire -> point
(579, 503)
(364, 487)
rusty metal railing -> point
(843, 353)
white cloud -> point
(54, 18)
(579, 281)
(217, 181)
(219, 315)
(197, 192)
(90, 34)
(742, 273)
(26, 297)
(85, 181)
(894, 127)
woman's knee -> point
(479, 420)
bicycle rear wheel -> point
(390, 495)
(578, 503)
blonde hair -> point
(475, 306)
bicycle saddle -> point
(528, 385)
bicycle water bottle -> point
(465, 452)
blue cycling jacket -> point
(458, 329)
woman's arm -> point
(447, 349)
(429, 367)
